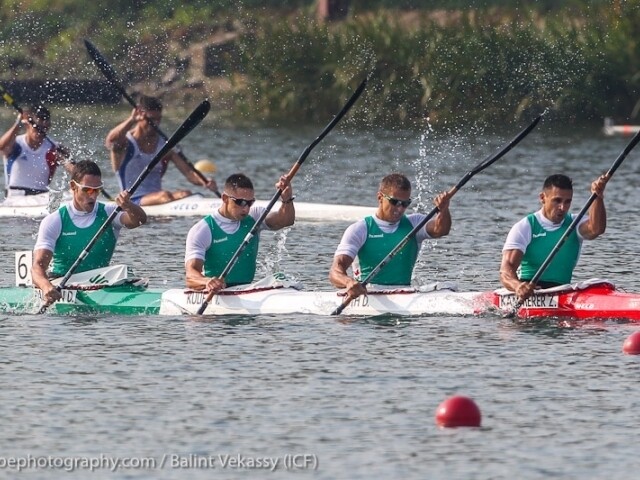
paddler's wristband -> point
(284, 202)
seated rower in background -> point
(212, 242)
(530, 241)
(367, 242)
(31, 159)
(134, 143)
(65, 233)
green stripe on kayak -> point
(120, 300)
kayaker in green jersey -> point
(530, 241)
(212, 242)
(65, 233)
(367, 242)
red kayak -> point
(591, 299)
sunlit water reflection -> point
(360, 394)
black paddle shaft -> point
(634, 141)
(110, 74)
(290, 175)
(477, 169)
(189, 124)
(10, 101)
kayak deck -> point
(291, 301)
(116, 300)
(592, 299)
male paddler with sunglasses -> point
(65, 233)
(212, 242)
(367, 242)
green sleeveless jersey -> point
(543, 241)
(73, 240)
(224, 245)
(378, 244)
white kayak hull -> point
(37, 206)
(291, 301)
(196, 205)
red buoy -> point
(458, 411)
(631, 345)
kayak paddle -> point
(290, 176)
(12, 103)
(477, 169)
(108, 71)
(187, 126)
(634, 141)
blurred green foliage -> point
(447, 60)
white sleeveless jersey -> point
(28, 168)
(135, 161)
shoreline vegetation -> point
(432, 62)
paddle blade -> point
(203, 307)
(189, 124)
(578, 218)
(101, 62)
(342, 306)
(491, 159)
(290, 175)
(9, 99)
(303, 156)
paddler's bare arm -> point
(133, 215)
(339, 278)
(286, 214)
(116, 141)
(197, 281)
(597, 222)
(191, 173)
(8, 139)
(511, 260)
(441, 224)
(41, 260)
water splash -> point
(274, 254)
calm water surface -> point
(357, 395)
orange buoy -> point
(458, 411)
(631, 345)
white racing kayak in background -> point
(35, 206)
(285, 298)
(32, 206)
(197, 205)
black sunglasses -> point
(396, 201)
(242, 202)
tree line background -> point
(479, 61)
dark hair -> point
(558, 180)
(85, 167)
(395, 180)
(238, 180)
(151, 104)
(38, 111)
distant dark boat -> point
(611, 129)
